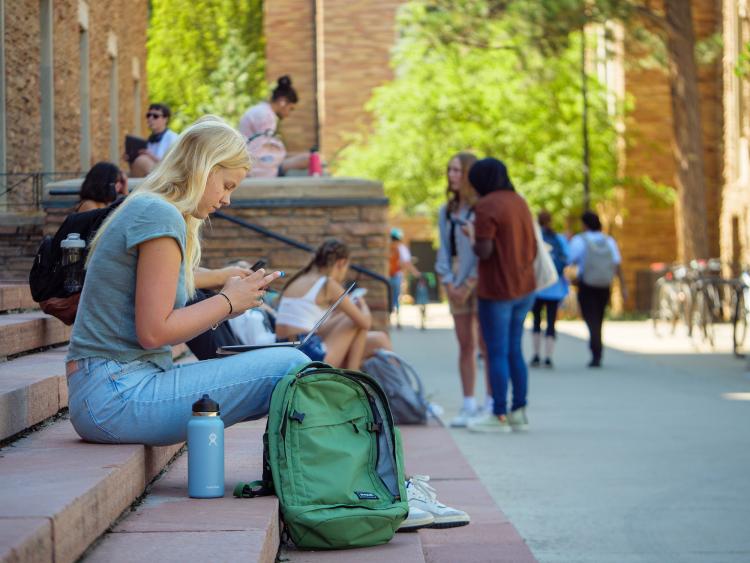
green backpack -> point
(334, 458)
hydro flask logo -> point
(212, 439)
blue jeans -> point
(396, 280)
(138, 403)
(502, 328)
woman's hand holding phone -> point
(247, 292)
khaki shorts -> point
(468, 306)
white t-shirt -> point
(167, 140)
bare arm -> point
(483, 248)
(358, 312)
(157, 322)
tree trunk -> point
(692, 225)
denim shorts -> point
(314, 348)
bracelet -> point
(224, 295)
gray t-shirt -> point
(105, 322)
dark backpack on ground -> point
(333, 456)
(402, 385)
(205, 345)
(557, 252)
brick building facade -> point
(340, 54)
(735, 212)
(67, 67)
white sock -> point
(489, 403)
(470, 404)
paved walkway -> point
(645, 460)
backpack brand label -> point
(366, 495)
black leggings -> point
(551, 315)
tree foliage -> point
(492, 93)
(206, 56)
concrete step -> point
(491, 537)
(170, 527)
(32, 389)
(16, 296)
(59, 493)
(23, 332)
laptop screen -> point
(327, 313)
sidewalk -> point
(644, 460)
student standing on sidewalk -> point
(598, 259)
(504, 240)
(457, 267)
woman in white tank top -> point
(344, 340)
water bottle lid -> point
(205, 404)
(73, 240)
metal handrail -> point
(302, 246)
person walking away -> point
(158, 143)
(456, 264)
(503, 238)
(259, 125)
(399, 262)
(123, 386)
(548, 299)
(598, 259)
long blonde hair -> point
(181, 177)
(465, 193)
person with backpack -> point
(456, 264)
(103, 184)
(550, 297)
(504, 239)
(259, 124)
(597, 257)
(123, 386)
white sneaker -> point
(422, 496)
(489, 423)
(463, 418)
(416, 519)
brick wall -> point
(646, 231)
(357, 41)
(305, 209)
(289, 31)
(128, 20)
(735, 216)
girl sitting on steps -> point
(345, 339)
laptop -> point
(239, 348)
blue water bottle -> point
(205, 440)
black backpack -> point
(205, 345)
(47, 275)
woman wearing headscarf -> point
(503, 238)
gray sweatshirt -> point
(465, 260)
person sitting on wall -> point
(259, 124)
(101, 186)
(158, 143)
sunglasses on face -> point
(153, 115)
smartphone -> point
(258, 265)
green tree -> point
(549, 26)
(206, 56)
(505, 99)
